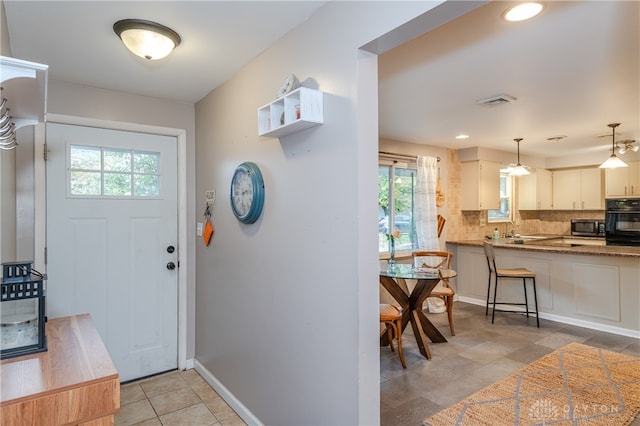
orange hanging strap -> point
(208, 227)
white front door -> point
(111, 236)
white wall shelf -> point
(24, 85)
(298, 110)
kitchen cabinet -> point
(534, 190)
(480, 183)
(624, 181)
(578, 189)
(295, 111)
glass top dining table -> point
(409, 272)
(393, 279)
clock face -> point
(247, 192)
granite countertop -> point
(593, 250)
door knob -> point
(171, 266)
(171, 249)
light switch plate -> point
(483, 220)
(199, 227)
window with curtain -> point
(396, 201)
(506, 198)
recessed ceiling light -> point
(462, 136)
(523, 11)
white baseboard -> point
(229, 398)
(568, 320)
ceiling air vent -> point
(496, 100)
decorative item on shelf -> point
(613, 162)
(391, 264)
(518, 170)
(289, 85)
(23, 319)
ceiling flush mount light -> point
(146, 39)
(518, 170)
(613, 162)
(462, 136)
(522, 11)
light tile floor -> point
(479, 354)
(176, 398)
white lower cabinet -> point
(578, 189)
(600, 292)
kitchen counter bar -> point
(593, 286)
(593, 250)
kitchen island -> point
(594, 286)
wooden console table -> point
(74, 382)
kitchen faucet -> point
(513, 229)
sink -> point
(523, 238)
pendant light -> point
(518, 170)
(613, 162)
(146, 39)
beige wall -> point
(287, 315)
(5, 48)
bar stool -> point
(509, 273)
(392, 318)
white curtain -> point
(426, 211)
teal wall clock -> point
(247, 192)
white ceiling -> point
(573, 69)
(77, 41)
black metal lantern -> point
(22, 320)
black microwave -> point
(588, 227)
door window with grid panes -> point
(111, 172)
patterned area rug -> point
(574, 385)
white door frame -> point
(40, 203)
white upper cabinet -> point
(535, 190)
(623, 182)
(297, 110)
(578, 189)
(480, 185)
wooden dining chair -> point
(509, 273)
(438, 260)
(391, 316)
